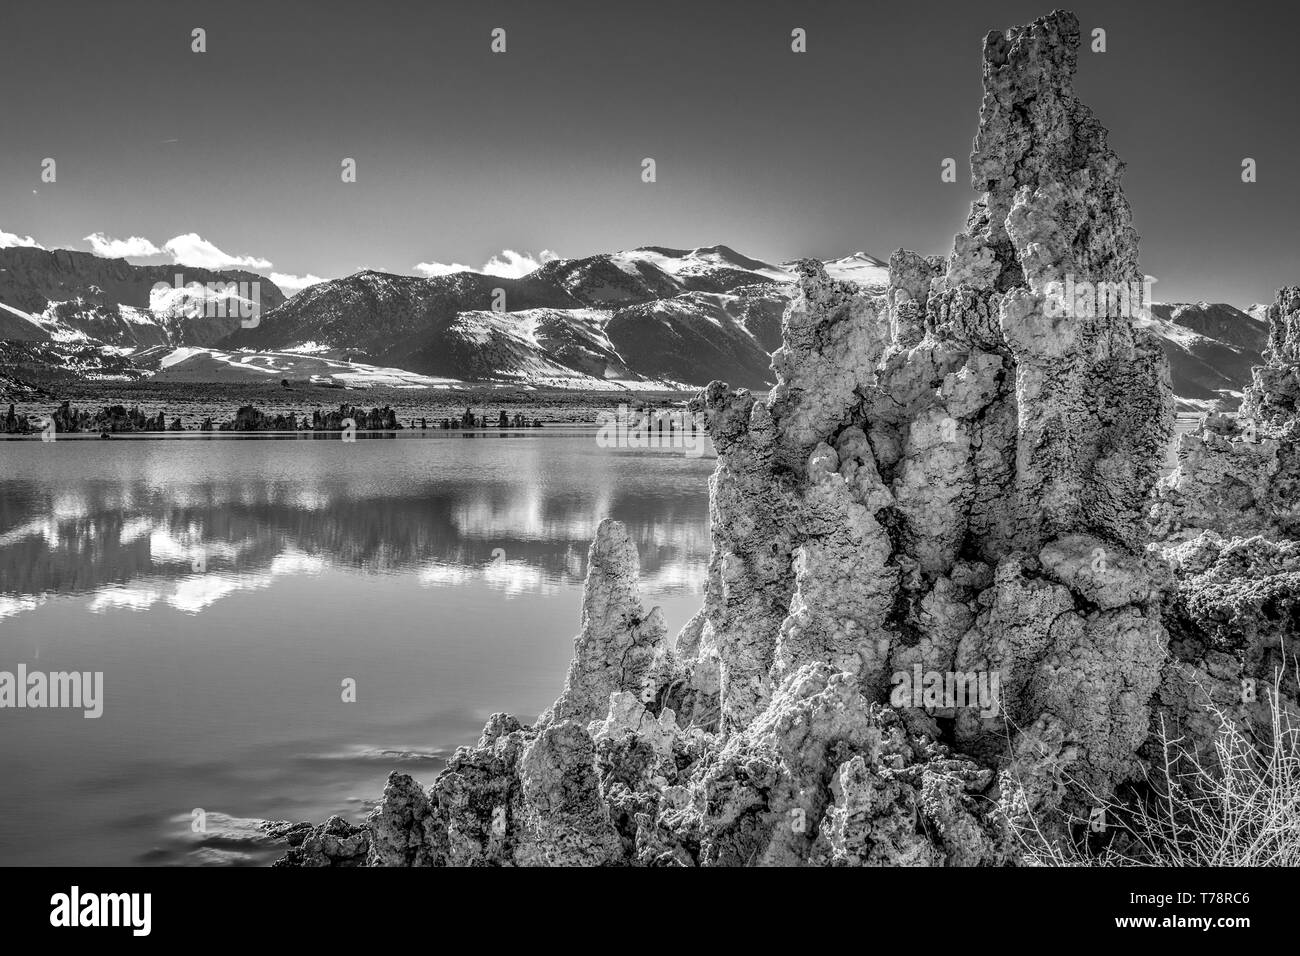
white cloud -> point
(290, 284)
(9, 240)
(514, 264)
(193, 250)
(432, 269)
(508, 264)
(102, 245)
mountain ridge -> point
(645, 318)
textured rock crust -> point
(1227, 523)
(951, 476)
(1274, 395)
(948, 478)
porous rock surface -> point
(950, 477)
(1227, 523)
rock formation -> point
(67, 419)
(953, 475)
(1274, 395)
(250, 419)
(947, 488)
(1227, 523)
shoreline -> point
(141, 409)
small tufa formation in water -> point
(67, 419)
(250, 419)
(470, 420)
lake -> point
(229, 587)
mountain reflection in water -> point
(226, 587)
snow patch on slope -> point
(861, 268)
(23, 315)
(683, 262)
(292, 364)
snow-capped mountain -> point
(1211, 349)
(700, 262)
(86, 314)
(861, 268)
(644, 318)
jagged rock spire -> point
(945, 474)
(619, 640)
(1047, 174)
(1273, 395)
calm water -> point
(227, 587)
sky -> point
(233, 156)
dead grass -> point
(1237, 805)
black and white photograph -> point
(681, 434)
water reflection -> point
(224, 588)
(187, 538)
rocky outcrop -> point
(404, 828)
(1274, 395)
(336, 842)
(1227, 524)
(823, 776)
(958, 479)
(1238, 476)
(620, 643)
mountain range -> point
(647, 318)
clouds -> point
(507, 264)
(193, 250)
(9, 240)
(196, 252)
(291, 284)
(102, 245)
(189, 249)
